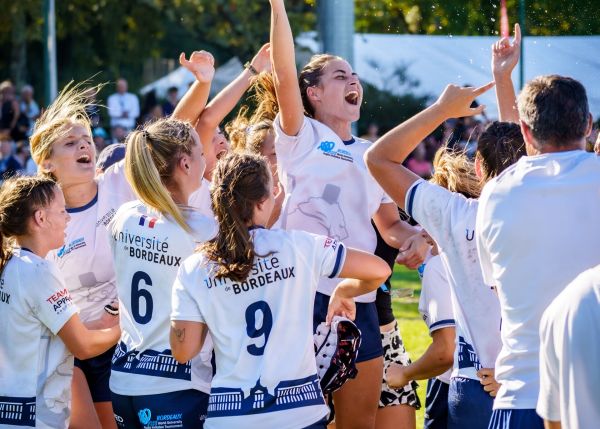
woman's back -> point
(261, 328)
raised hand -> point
(201, 64)
(505, 55)
(262, 60)
(413, 251)
(456, 101)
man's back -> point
(536, 231)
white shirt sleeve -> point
(51, 302)
(548, 405)
(183, 303)
(330, 253)
(436, 304)
(291, 148)
(481, 224)
(431, 206)
(114, 107)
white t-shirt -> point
(570, 353)
(35, 366)
(537, 229)
(120, 103)
(329, 190)
(262, 330)
(435, 303)
(85, 260)
(147, 250)
(449, 218)
(200, 199)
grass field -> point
(414, 332)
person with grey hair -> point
(123, 107)
(29, 107)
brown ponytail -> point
(20, 197)
(240, 182)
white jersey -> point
(35, 366)
(148, 249)
(537, 229)
(329, 190)
(449, 218)
(569, 353)
(435, 303)
(200, 199)
(85, 260)
(262, 330)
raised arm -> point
(202, 65)
(505, 56)
(226, 100)
(285, 74)
(384, 158)
(86, 343)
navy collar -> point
(348, 142)
(84, 207)
(251, 227)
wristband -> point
(113, 311)
(251, 68)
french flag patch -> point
(151, 221)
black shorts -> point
(182, 409)
(97, 374)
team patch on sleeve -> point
(60, 300)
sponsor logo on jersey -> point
(328, 149)
(331, 242)
(145, 415)
(73, 245)
(147, 221)
(105, 220)
(60, 300)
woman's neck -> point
(340, 127)
(80, 194)
(33, 244)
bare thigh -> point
(106, 414)
(356, 403)
(83, 413)
(396, 417)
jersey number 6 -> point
(254, 331)
(137, 294)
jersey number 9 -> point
(254, 331)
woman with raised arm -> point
(253, 289)
(450, 220)
(329, 191)
(41, 328)
(62, 147)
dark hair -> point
(240, 181)
(310, 75)
(556, 110)
(500, 145)
(20, 197)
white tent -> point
(181, 78)
(438, 60)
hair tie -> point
(146, 134)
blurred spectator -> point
(110, 155)
(15, 162)
(101, 139)
(154, 114)
(169, 105)
(418, 164)
(9, 111)
(372, 132)
(31, 167)
(123, 108)
(28, 107)
(119, 134)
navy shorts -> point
(366, 320)
(516, 419)
(469, 406)
(182, 409)
(97, 374)
(436, 405)
(321, 424)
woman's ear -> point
(184, 163)
(39, 218)
(313, 93)
(47, 166)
